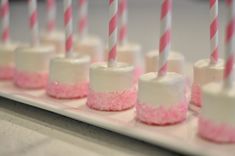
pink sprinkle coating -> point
(112, 101)
(26, 80)
(196, 97)
(217, 132)
(161, 115)
(6, 73)
(64, 91)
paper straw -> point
(214, 34)
(113, 8)
(5, 21)
(229, 44)
(165, 38)
(83, 20)
(123, 22)
(68, 24)
(51, 15)
(33, 21)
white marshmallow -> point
(92, 47)
(55, 38)
(7, 54)
(167, 90)
(175, 62)
(204, 72)
(69, 70)
(108, 79)
(33, 59)
(218, 104)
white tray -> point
(181, 137)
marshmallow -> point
(32, 65)
(68, 77)
(54, 38)
(175, 62)
(111, 88)
(92, 47)
(161, 100)
(217, 117)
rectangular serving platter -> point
(181, 137)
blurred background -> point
(190, 23)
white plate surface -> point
(181, 137)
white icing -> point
(7, 54)
(91, 46)
(161, 91)
(175, 62)
(33, 59)
(204, 73)
(108, 79)
(218, 104)
(54, 38)
(69, 70)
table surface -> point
(29, 131)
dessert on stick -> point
(208, 70)
(161, 96)
(127, 52)
(68, 76)
(32, 61)
(111, 84)
(88, 45)
(52, 36)
(217, 118)
(7, 48)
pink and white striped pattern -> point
(113, 9)
(68, 24)
(214, 35)
(51, 15)
(123, 21)
(165, 39)
(5, 21)
(83, 20)
(229, 41)
(33, 21)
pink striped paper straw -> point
(123, 21)
(68, 24)
(229, 44)
(51, 15)
(214, 35)
(33, 21)
(5, 21)
(165, 38)
(83, 20)
(113, 9)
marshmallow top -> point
(52, 36)
(109, 79)
(129, 53)
(7, 54)
(69, 70)
(161, 91)
(204, 72)
(33, 59)
(218, 103)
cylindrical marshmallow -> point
(69, 77)
(161, 100)
(7, 60)
(111, 88)
(32, 65)
(175, 62)
(91, 46)
(54, 38)
(217, 117)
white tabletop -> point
(29, 131)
